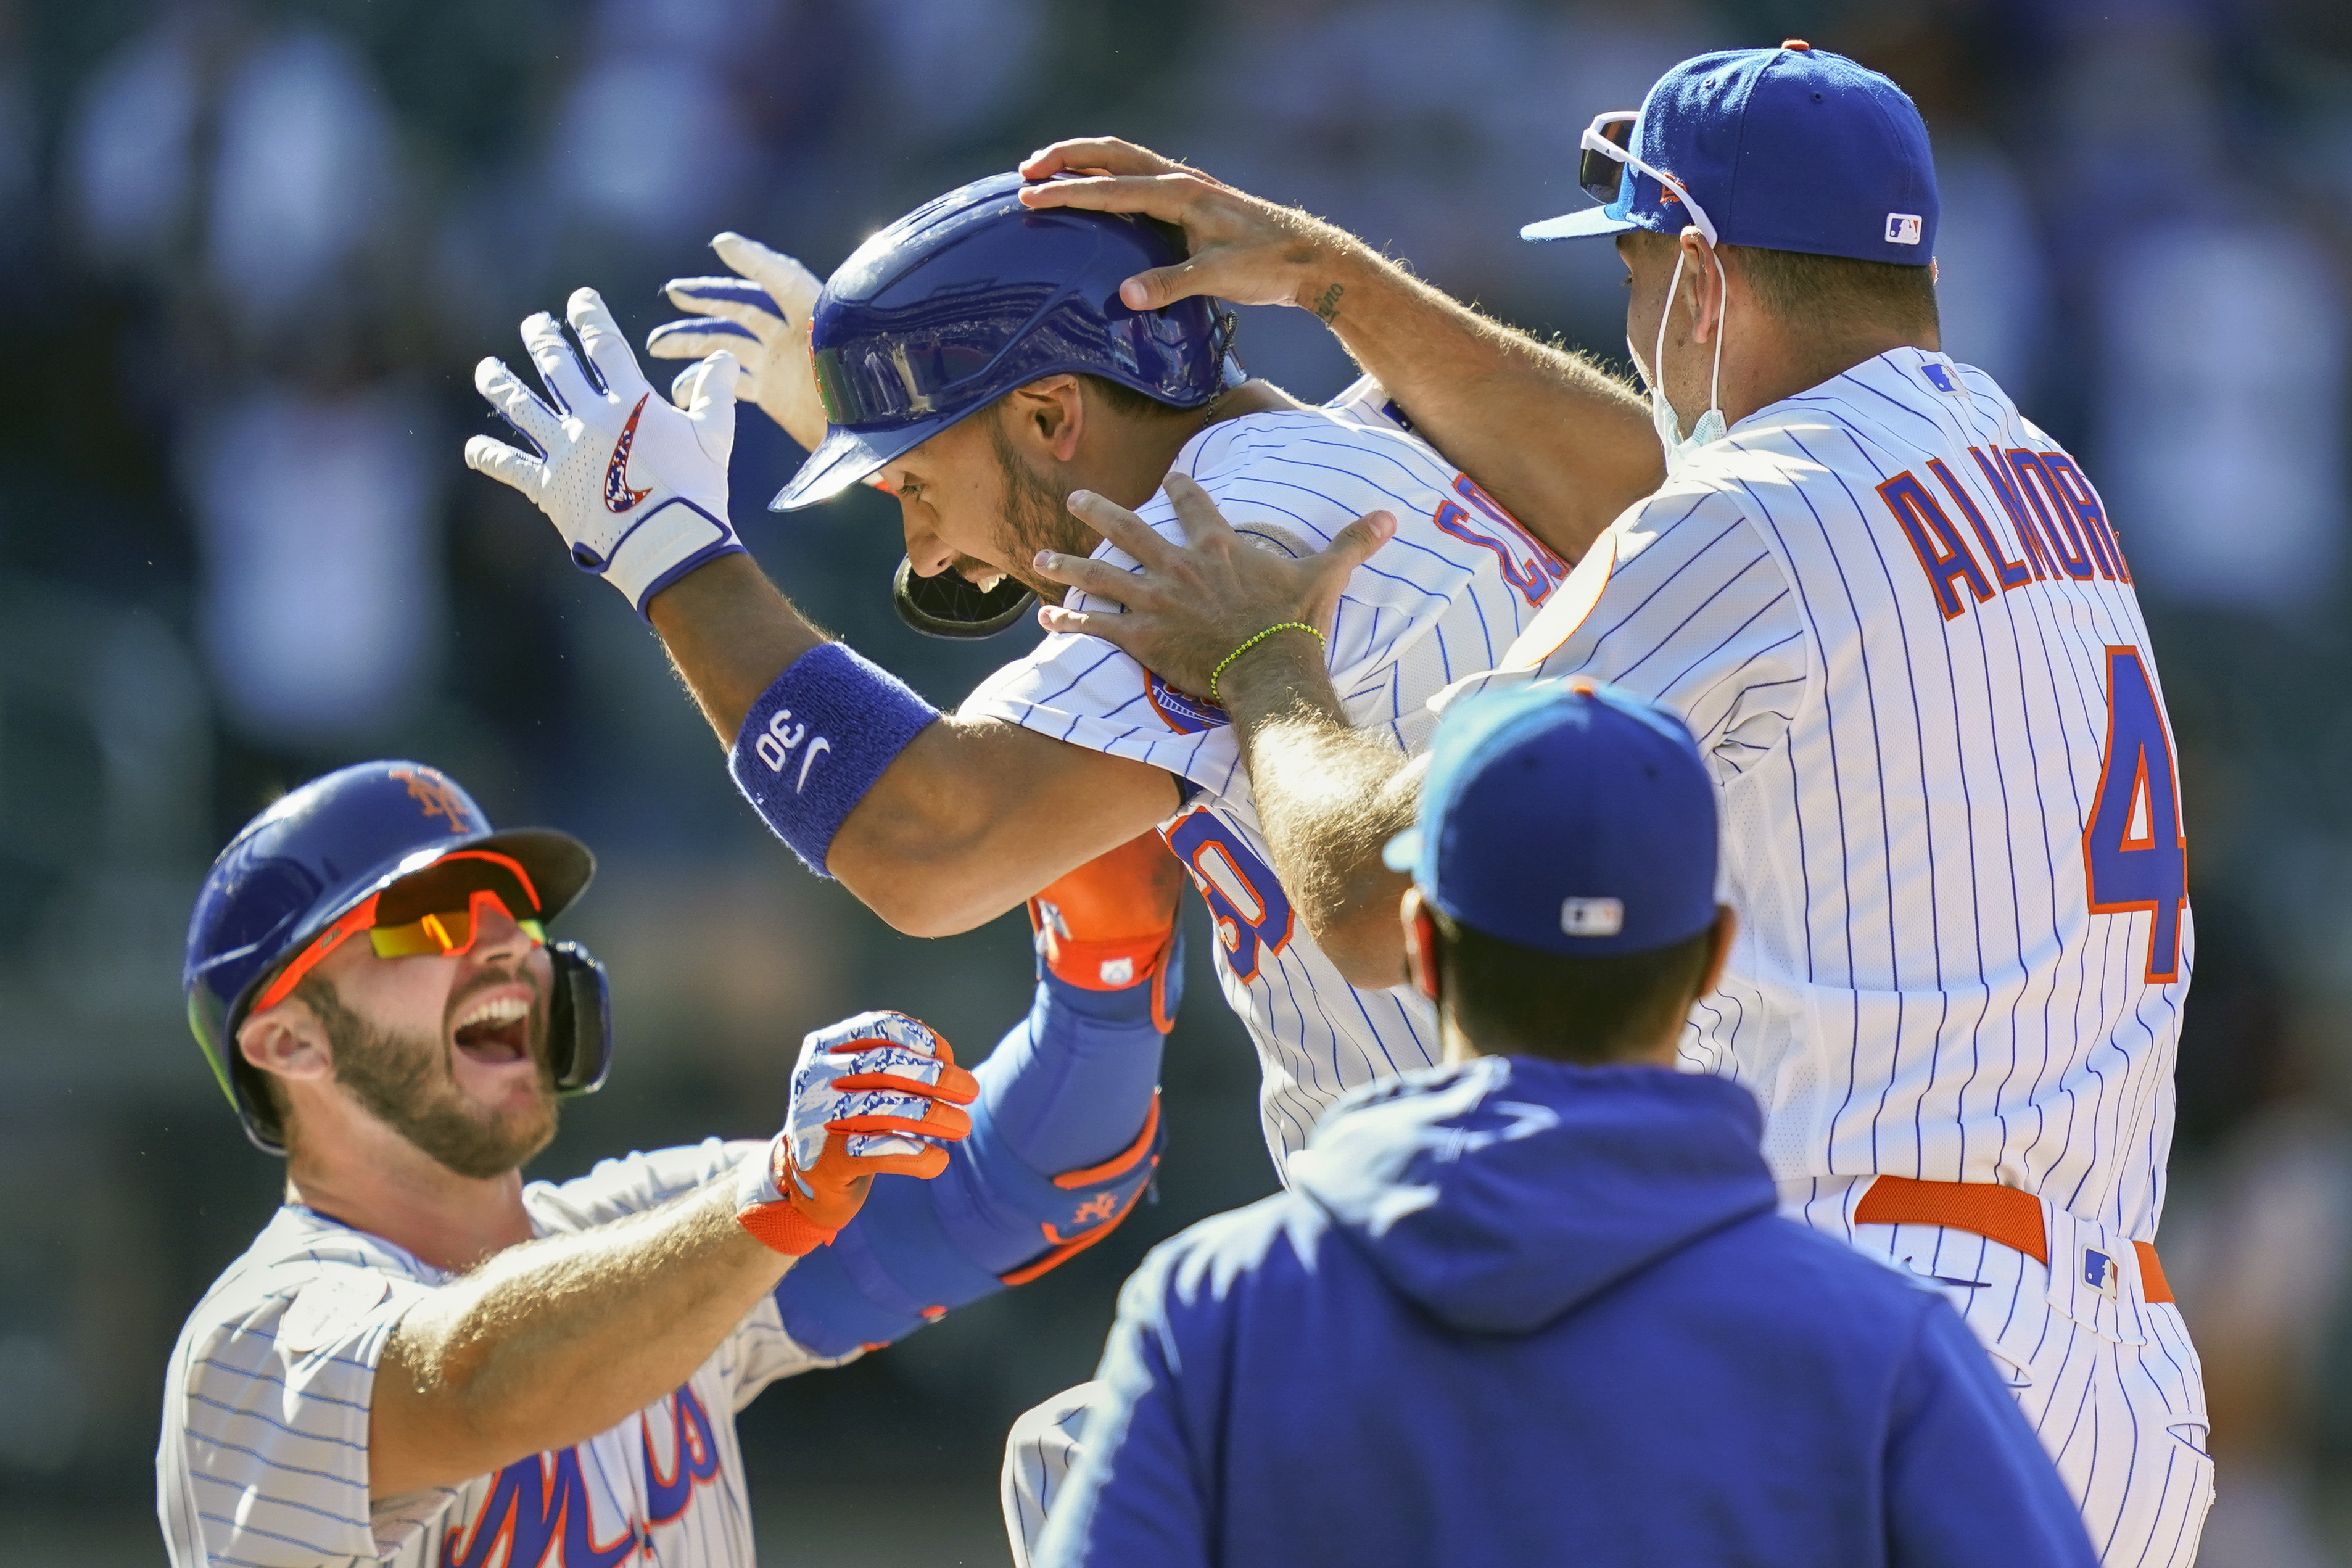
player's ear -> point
(1706, 285)
(286, 1041)
(1053, 411)
(1420, 943)
(1727, 927)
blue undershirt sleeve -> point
(1065, 1136)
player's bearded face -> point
(475, 1094)
(1034, 516)
(972, 504)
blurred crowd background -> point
(250, 250)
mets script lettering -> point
(538, 1513)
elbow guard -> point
(908, 1255)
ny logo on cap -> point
(436, 797)
(1592, 917)
(1903, 228)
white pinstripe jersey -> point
(263, 1462)
(1894, 614)
(1444, 597)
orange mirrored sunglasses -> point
(437, 911)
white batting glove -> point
(636, 485)
(763, 317)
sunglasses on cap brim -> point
(438, 911)
(1605, 153)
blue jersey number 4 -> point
(2134, 853)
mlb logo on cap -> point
(1903, 228)
(1592, 917)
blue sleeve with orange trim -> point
(1065, 1138)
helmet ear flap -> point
(948, 606)
(579, 1020)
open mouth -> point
(496, 1030)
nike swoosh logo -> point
(808, 762)
(618, 496)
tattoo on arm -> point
(1327, 306)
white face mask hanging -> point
(1613, 136)
(1709, 428)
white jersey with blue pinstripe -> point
(1895, 617)
(1446, 597)
(263, 1462)
(1894, 614)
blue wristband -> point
(817, 739)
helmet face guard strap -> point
(948, 606)
(579, 1020)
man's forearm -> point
(730, 633)
(1329, 798)
(1564, 447)
(555, 1341)
(972, 817)
(977, 814)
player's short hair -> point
(1830, 295)
(1119, 399)
(1126, 400)
(1510, 998)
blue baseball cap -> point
(1568, 817)
(1787, 149)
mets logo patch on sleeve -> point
(1182, 712)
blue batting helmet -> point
(972, 295)
(323, 850)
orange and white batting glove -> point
(874, 1095)
(1111, 924)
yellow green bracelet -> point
(1281, 627)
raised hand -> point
(874, 1095)
(1241, 248)
(636, 485)
(1191, 605)
(762, 315)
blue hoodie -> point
(1518, 1312)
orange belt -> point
(1997, 1214)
